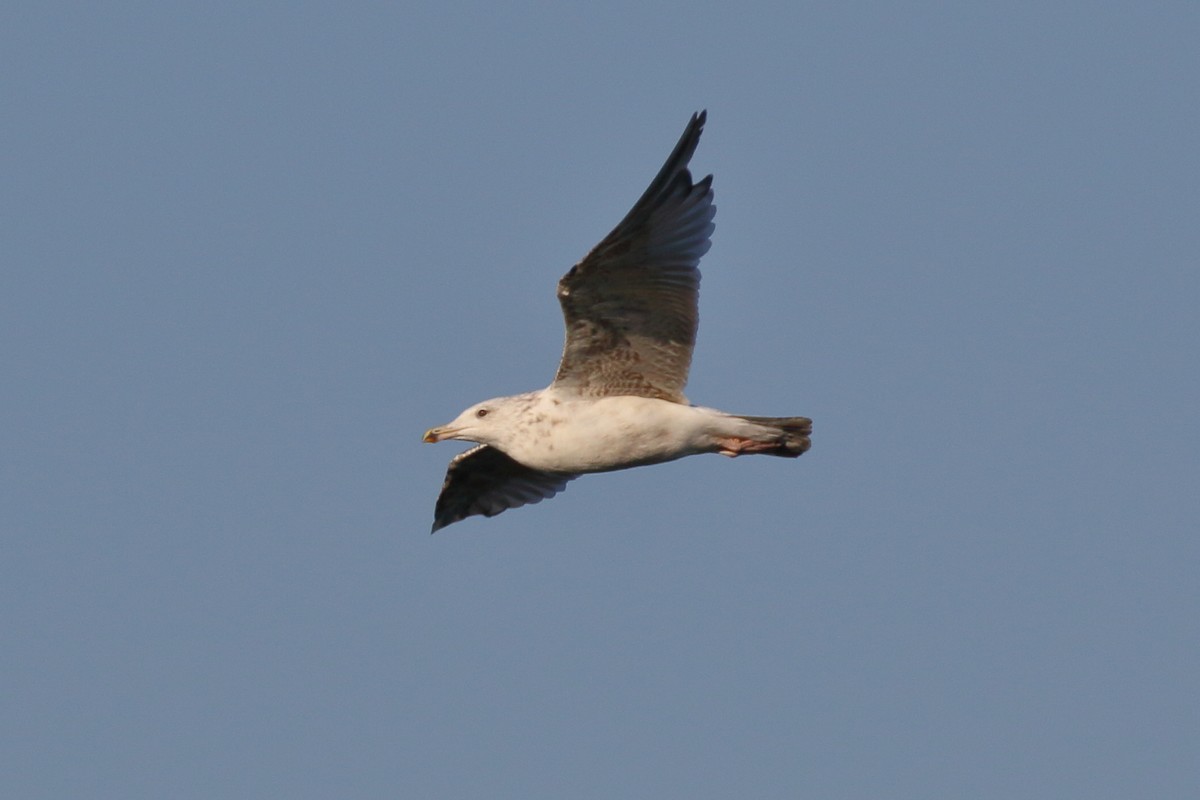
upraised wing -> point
(485, 481)
(630, 305)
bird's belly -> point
(613, 433)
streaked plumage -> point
(630, 308)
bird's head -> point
(489, 422)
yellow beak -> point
(438, 434)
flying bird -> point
(617, 400)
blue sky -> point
(252, 251)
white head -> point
(490, 422)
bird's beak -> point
(437, 434)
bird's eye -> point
(481, 413)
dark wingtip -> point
(690, 138)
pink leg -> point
(734, 446)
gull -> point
(630, 308)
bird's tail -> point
(793, 433)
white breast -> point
(572, 434)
